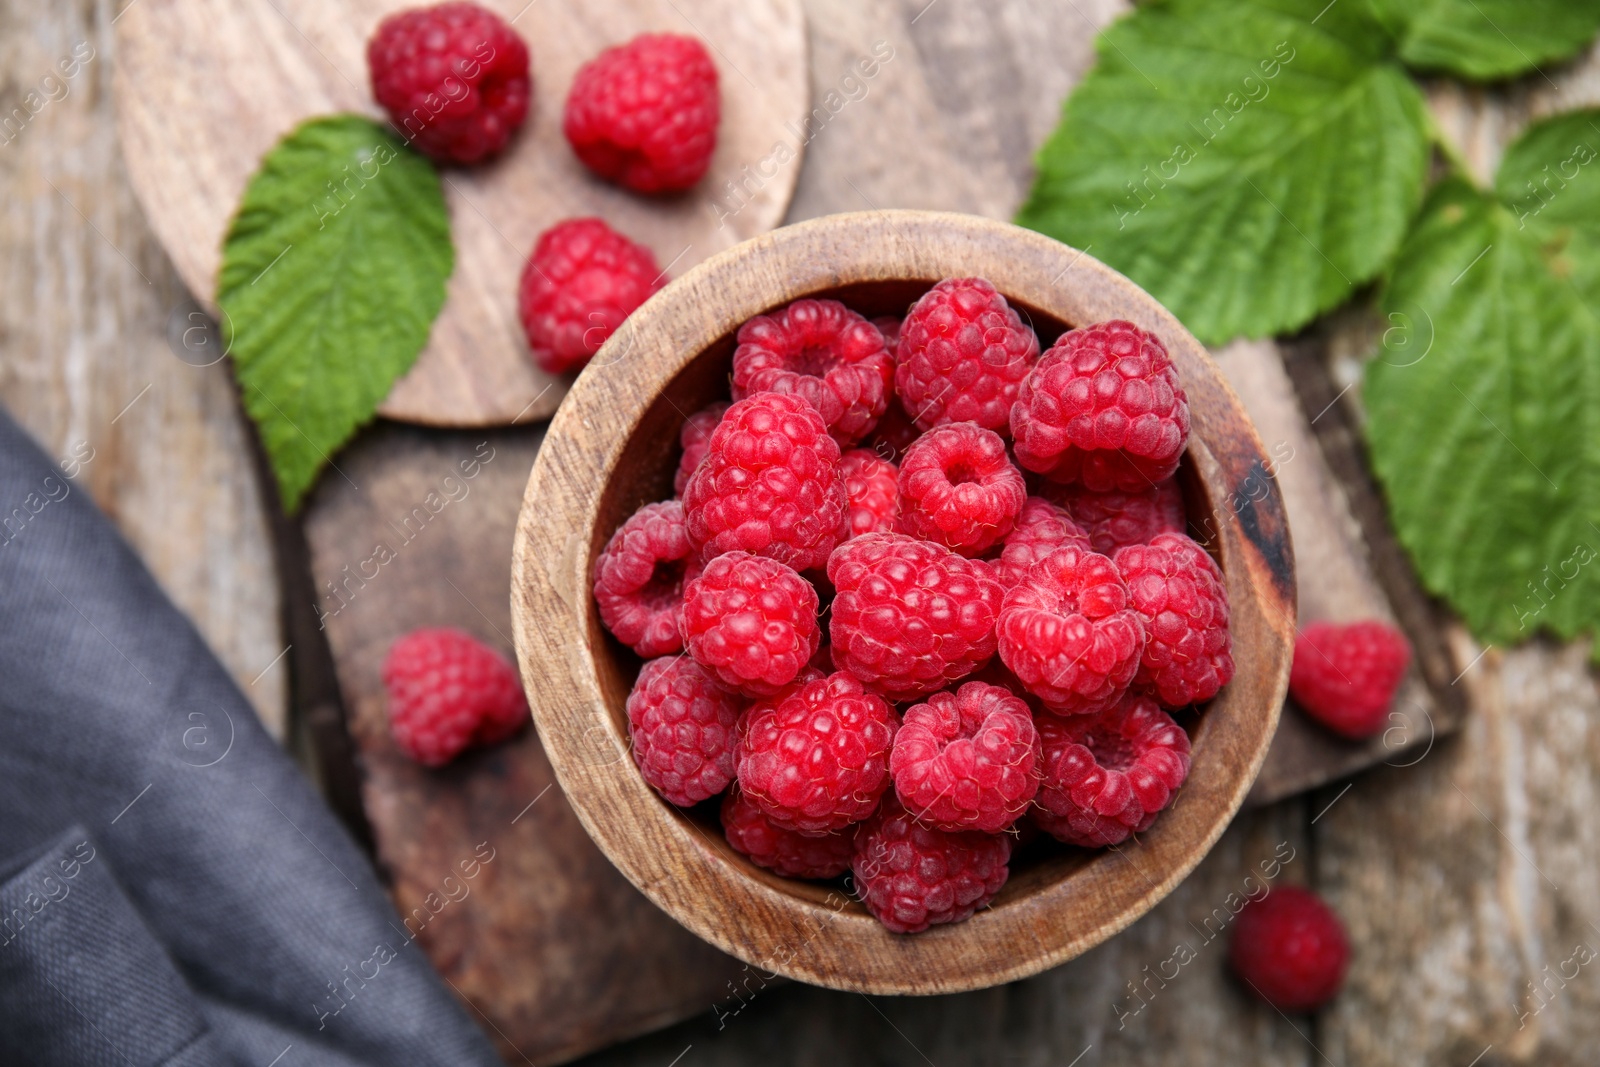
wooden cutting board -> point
(205, 87)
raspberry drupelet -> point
(824, 352)
(1041, 528)
(1068, 632)
(645, 114)
(909, 617)
(1345, 677)
(781, 851)
(815, 757)
(582, 280)
(453, 78)
(639, 578)
(447, 692)
(682, 727)
(1115, 519)
(1179, 592)
(962, 354)
(871, 490)
(1102, 408)
(912, 876)
(1108, 776)
(958, 488)
(769, 484)
(751, 622)
(967, 760)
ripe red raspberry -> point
(824, 352)
(751, 622)
(1103, 408)
(1108, 776)
(872, 494)
(889, 326)
(1068, 633)
(962, 354)
(1290, 948)
(909, 617)
(581, 281)
(1041, 528)
(769, 484)
(447, 692)
(894, 434)
(1345, 677)
(682, 726)
(695, 437)
(639, 578)
(644, 114)
(453, 78)
(1179, 592)
(959, 489)
(1116, 520)
(967, 760)
(912, 877)
(784, 852)
(815, 757)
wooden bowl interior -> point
(644, 474)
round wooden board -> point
(611, 448)
(205, 87)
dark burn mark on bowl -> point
(1258, 503)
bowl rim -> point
(804, 931)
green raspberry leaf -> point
(1488, 39)
(1249, 162)
(332, 273)
(1485, 426)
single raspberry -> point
(639, 578)
(962, 354)
(1068, 633)
(1116, 520)
(889, 326)
(695, 439)
(1290, 948)
(912, 877)
(751, 622)
(581, 281)
(785, 852)
(447, 692)
(769, 484)
(453, 78)
(959, 489)
(872, 494)
(1179, 592)
(1345, 677)
(894, 434)
(644, 114)
(1108, 776)
(1103, 408)
(909, 617)
(1041, 528)
(823, 351)
(967, 760)
(815, 757)
(683, 730)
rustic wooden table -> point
(1466, 871)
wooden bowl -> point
(613, 447)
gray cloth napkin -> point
(171, 889)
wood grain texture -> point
(608, 451)
(205, 87)
(87, 313)
(548, 944)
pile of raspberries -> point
(922, 589)
(456, 83)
